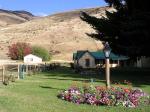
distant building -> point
(143, 62)
(32, 59)
(87, 59)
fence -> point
(8, 72)
(16, 70)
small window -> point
(87, 62)
(31, 59)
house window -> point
(87, 62)
(31, 59)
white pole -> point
(107, 70)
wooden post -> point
(27, 69)
(18, 71)
(34, 69)
(3, 73)
(38, 69)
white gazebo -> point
(32, 59)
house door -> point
(87, 62)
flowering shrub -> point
(98, 95)
(18, 50)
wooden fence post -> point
(27, 69)
(3, 73)
(18, 71)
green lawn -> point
(38, 93)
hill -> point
(8, 17)
(62, 33)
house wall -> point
(145, 62)
(32, 59)
(139, 63)
(82, 61)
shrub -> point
(41, 52)
(72, 65)
(6, 80)
(12, 78)
(18, 50)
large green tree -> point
(127, 29)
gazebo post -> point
(118, 63)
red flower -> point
(126, 90)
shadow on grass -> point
(137, 76)
(49, 87)
(70, 73)
(76, 79)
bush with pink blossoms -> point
(98, 95)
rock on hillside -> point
(62, 34)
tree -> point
(127, 30)
(41, 52)
(18, 50)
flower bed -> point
(97, 95)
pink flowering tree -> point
(18, 50)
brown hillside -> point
(14, 17)
(62, 34)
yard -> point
(38, 93)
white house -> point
(32, 59)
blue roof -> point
(98, 55)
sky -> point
(47, 7)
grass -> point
(37, 93)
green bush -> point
(41, 52)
